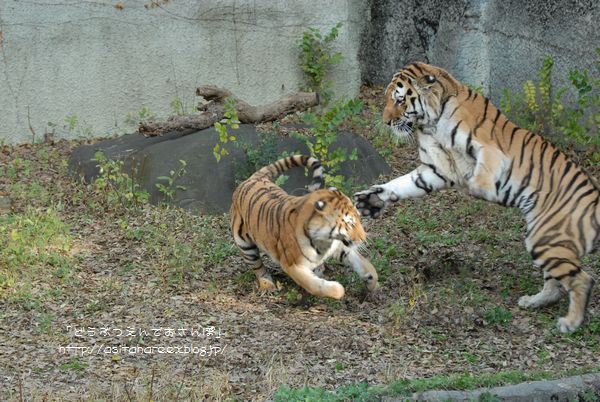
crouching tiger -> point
(298, 232)
(465, 141)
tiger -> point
(298, 232)
(465, 142)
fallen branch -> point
(212, 111)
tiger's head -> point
(333, 217)
(415, 96)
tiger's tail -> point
(276, 168)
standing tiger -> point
(465, 141)
(298, 232)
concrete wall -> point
(494, 44)
(101, 60)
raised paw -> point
(371, 202)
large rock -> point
(210, 185)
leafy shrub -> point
(167, 185)
(120, 189)
(230, 121)
(570, 115)
(316, 58)
(324, 135)
(258, 156)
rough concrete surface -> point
(494, 44)
(96, 62)
(585, 388)
(101, 60)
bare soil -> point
(452, 269)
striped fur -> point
(298, 232)
(466, 142)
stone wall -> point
(92, 63)
(97, 61)
(494, 44)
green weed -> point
(541, 108)
(74, 364)
(118, 188)
(324, 134)
(33, 244)
(316, 59)
(498, 316)
(231, 121)
(169, 185)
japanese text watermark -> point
(203, 341)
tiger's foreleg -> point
(490, 164)
(362, 266)
(306, 278)
(423, 180)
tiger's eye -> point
(430, 79)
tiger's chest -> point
(451, 162)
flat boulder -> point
(209, 184)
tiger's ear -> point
(320, 205)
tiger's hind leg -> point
(577, 283)
(251, 255)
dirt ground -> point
(154, 303)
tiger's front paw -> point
(371, 202)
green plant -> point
(498, 316)
(169, 188)
(119, 188)
(72, 126)
(144, 115)
(324, 130)
(73, 364)
(541, 108)
(230, 121)
(582, 121)
(316, 58)
(44, 322)
(18, 168)
(32, 244)
(179, 107)
(259, 155)
(471, 357)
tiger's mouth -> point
(344, 239)
(402, 128)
